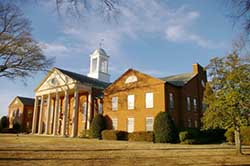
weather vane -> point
(101, 43)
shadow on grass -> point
(115, 149)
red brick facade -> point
(183, 89)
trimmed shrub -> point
(212, 136)
(85, 134)
(97, 125)
(4, 122)
(245, 135)
(114, 135)
(122, 135)
(184, 135)
(110, 134)
(189, 141)
(230, 135)
(147, 136)
(195, 136)
(164, 128)
(9, 130)
(17, 127)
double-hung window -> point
(149, 100)
(131, 102)
(115, 103)
(171, 101)
(188, 104)
(149, 123)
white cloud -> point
(135, 19)
(54, 49)
(178, 31)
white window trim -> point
(114, 105)
(189, 123)
(195, 104)
(149, 128)
(115, 127)
(132, 127)
(196, 123)
(171, 106)
(188, 100)
(131, 106)
(149, 103)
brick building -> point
(133, 100)
(21, 111)
(66, 102)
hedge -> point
(114, 135)
(245, 135)
(85, 134)
(147, 136)
(195, 136)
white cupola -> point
(99, 65)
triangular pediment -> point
(132, 79)
(54, 79)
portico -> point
(65, 103)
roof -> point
(179, 79)
(26, 100)
(85, 79)
(99, 51)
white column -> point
(75, 115)
(48, 115)
(40, 124)
(34, 122)
(89, 110)
(56, 114)
(65, 114)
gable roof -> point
(26, 100)
(85, 79)
(128, 71)
(179, 79)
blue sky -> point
(159, 39)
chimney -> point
(197, 68)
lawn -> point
(45, 150)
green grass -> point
(44, 150)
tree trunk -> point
(237, 138)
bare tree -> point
(241, 16)
(20, 54)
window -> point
(114, 103)
(131, 79)
(189, 123)
(149, 123)
(195, 104)
(94, 64)
(196, 124)
(149, 100)
(100, 108)
(114, 123)
(171, 101)
(131, 102)
(204, 106)
(104, 66)
(188, 104)
(130, 126)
